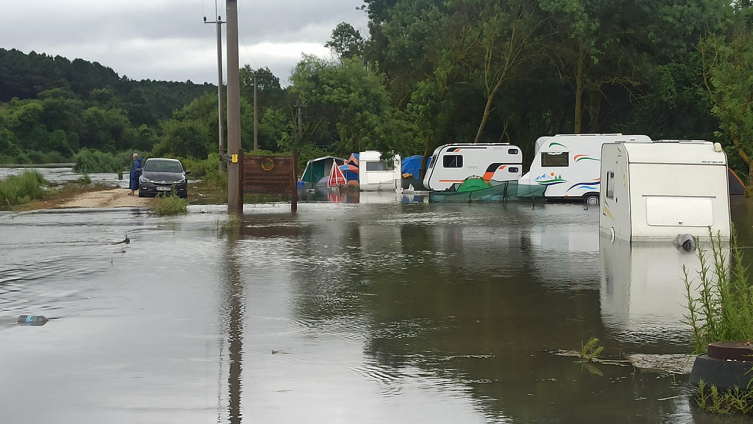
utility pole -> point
(234, 203)
(220, 105)
(256, 132)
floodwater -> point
(381, 311)
(62, 175)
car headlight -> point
(181, 181)
(144, 179)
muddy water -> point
(369, 312)
(62, 175)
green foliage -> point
(723, 308)
(19, 189)
(728, 77)
(711, 399)
(85, 180)
(58, 105)
(591, 350)
(170, 205)
(185, 139)
(93, 161)
(346, 41)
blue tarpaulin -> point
(412, 165)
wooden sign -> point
(269, 175)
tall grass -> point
(94, 161)
(723, 308)
(170, 205)
(20, 189)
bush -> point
(723, 309)
(170, 205)
(19, 189)
(53, 157)
(35, 156)
(94, 161)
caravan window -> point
(453, 161)
(374, 166)
(555, 159)
(431, 161)
(382, 165)
(610, 185)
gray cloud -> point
(166, 39)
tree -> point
(346, 41)
(183, 138)
(728, 77)
(502, 42)
(342, 100)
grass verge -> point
(20, 189)
(170, 205)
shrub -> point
(723, 308)
(591, 350)
(18, 189)
(94, 161)
(35, 156)
(170, 205)
(54, 157)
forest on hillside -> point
(428, 72)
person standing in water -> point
(135, 174)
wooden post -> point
(294, 181)
(241, 160)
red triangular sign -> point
(336, 177)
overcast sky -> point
(167, 40)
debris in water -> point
(666, 363)
(33, 320)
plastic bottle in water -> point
(35, 320)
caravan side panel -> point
(614, 216)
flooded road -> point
(63, 175)
(370, 312)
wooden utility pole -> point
(234, 204)
(256, 131)
(220, 105)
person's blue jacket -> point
(135, 174)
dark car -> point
(160, 175)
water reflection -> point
(642, 292)
(233, 308)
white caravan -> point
(376, 174)
(453, 163)
(656, 191)
(568, 164)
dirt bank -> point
(111, 198)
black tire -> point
(141, 194)
(183, 196)
(591, 199)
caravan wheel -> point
(591, 200)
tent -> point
(412, 166)
(318, 169)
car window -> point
(163, 166)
